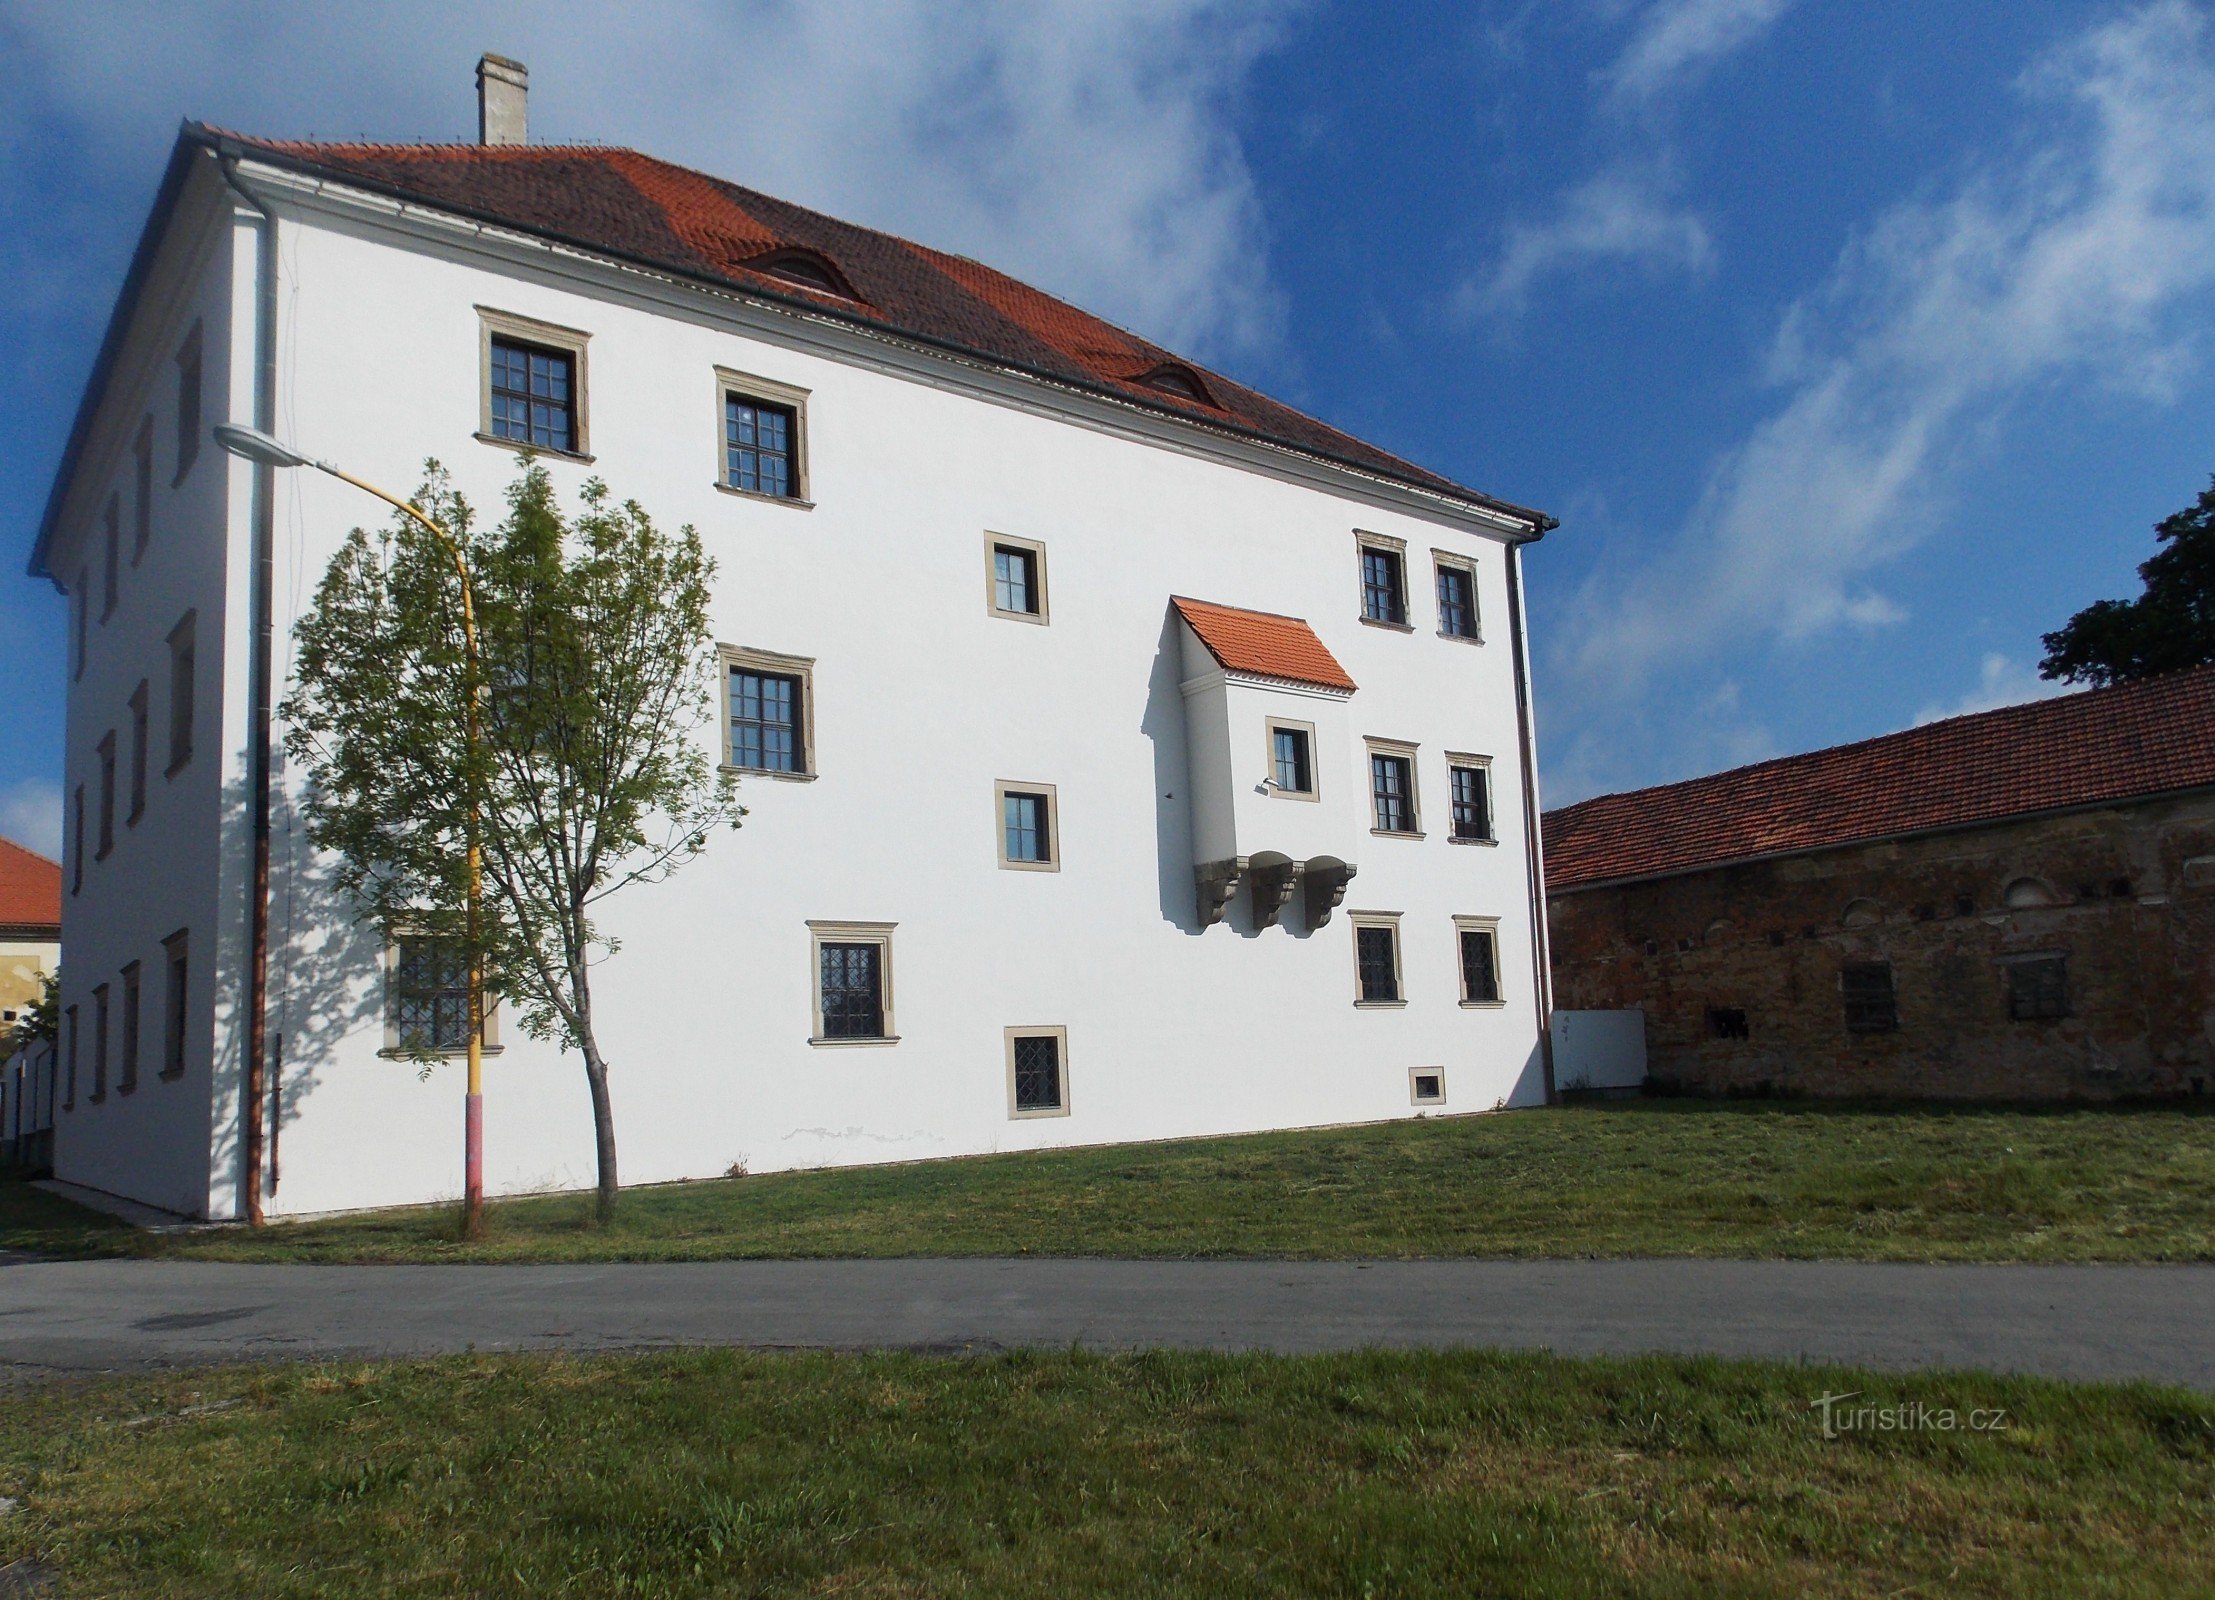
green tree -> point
(41, 1019)
(2169, 627)
(595, 680)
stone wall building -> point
(2018, 904)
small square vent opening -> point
(1427, 1085)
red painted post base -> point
(473, 1165)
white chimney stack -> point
(501, 87)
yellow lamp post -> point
(254, 445)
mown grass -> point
(1165, 1474)
(1658, 1178)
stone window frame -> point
(1036, 550)
(1373, 746)
(493, 323)
(1463, 759)
(776, 664)
(1389, 921)
(1415, 1095)
(1489, 926)
(1365, 541)
(821, 933)
(1461, 563)
(1060, 1035)
(1314, 789)
(1001, 789)
(770, 391)
(405, 927)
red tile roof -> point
(1263, 644)
(624, 204)
(2106, 745)
(30, 894)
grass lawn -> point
(1652, 1178)
(728, 1473)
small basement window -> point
(1038, 1072)
(1427, 1085)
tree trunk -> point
(596, 1076)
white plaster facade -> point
(923, 700)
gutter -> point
(263, 512)
(1542, 985)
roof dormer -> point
(808, 269)
(1175, 378)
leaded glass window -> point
(1037, 1072)
(1376, 950)
(430, 993)
(1392, 785)
(765, 721)
(1480, 965)
(534, 395)
(853, 991)
(758, 441)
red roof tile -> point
(30, 893)
(2094, 748)
(1263, 644)
(621, 203)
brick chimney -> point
(501, 87)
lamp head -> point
(257, 446)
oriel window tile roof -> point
(634, 207)
(1262, 644)
(2098, 747)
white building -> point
(996, 579)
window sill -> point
(394, 1053)
(1397, 833)
(177, 765)
(170, 1074)
(534, 450)
(127, 1088)
(767, 772)
(184, 471)
(1389, 627)
(846, 1044)
(97, 1099)
(1038, 617)
(1030, 866)
(1484, 1005)
(1492, 843)
(1034, 1116)
(791, 500)
(103, 852)
(1462, 638)
(1380, 1005)
(137, 812)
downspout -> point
(1542, 991)
(264, 516)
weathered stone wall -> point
(2132, 907)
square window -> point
(1383, 585)
(533, 395)
(1038, 1068)
(853, 983)
(2038, 989)
(1392, 791)
(1015, 577)
(1376, 959)
(1472, 802)
(1479, 942)
(1871, 1004)
(763, 439)
(1457, 598)
(1028, 826)
(769, 710)
(1427, 1085)
(429, 996)
(1292, 758)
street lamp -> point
(252, 444)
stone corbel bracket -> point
(1217, 885)
(1326, 888)
(1273, 881)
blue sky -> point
(1856, 343)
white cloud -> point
(1676, 39)
(2001, 681)
(1085, 146)
(1620, 215)
(2076, 259)
(31, 815)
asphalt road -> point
(2071, 1322)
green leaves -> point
(2169, 627)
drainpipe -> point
(263, 511)
(1533, 844)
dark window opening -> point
(1430, 1088)
(1727, 1022)
(1871, 1005)
(430, 993)
(1376, 950)
(1037, 1072)
(1289, 761)
(1480, 966)
(810, 272)
(765, 722)
(2119, 888)
(1383, 586)
(534, 395)
(1392, 786)
(1472, 807)
(758, 447)
(188, 404)
(177, 951)
(853, 991)
(1457, 602)
(1182, 382)
(1964, 906)
(2038, 991)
